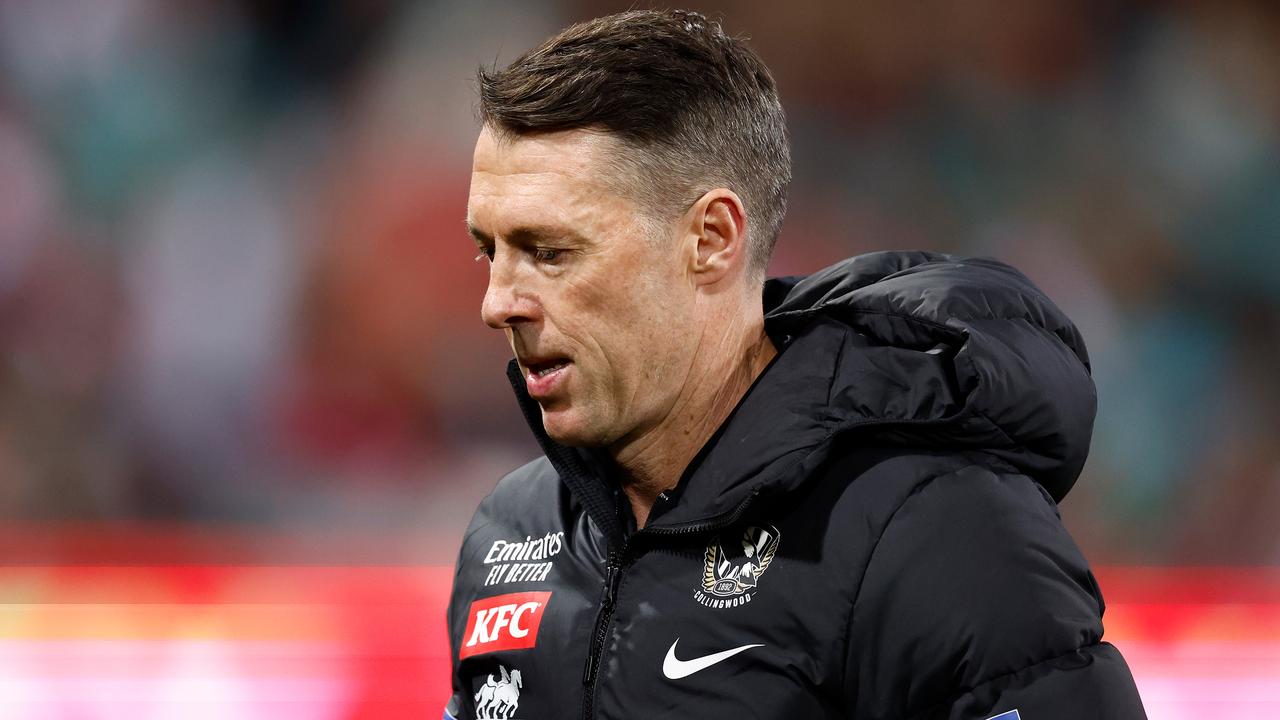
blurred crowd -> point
(235, 284)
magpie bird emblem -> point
(733, 571)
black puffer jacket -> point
(873, 533)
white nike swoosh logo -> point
(675, 668)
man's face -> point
(598, 314)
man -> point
(887, 438)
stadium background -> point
(247, 404)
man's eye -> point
(546, 255)
(485, 254)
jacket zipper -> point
(609, 593)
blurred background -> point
(247, 404)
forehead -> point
(543, 179)
(573, 153)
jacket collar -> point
(919, 349)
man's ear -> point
(717, 223)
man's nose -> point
(506, 302)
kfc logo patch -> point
(503, 622)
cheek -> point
(659, 343)
(620, 313)
(607, 299)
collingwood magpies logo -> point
(731, 570)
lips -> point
(542, 369)
(544, 374)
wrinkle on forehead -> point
(546, 178)
(577, 154)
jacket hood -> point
(914, 349)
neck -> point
(652, 461)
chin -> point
(569, 428)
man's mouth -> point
(544, 377)
(543, 369)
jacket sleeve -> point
(459, 704)
(455, 704)
(976, 603)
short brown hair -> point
(698, 107)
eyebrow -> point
(532, 235)
(479, 235)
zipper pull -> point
(608, 594)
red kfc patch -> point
(503, 622)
